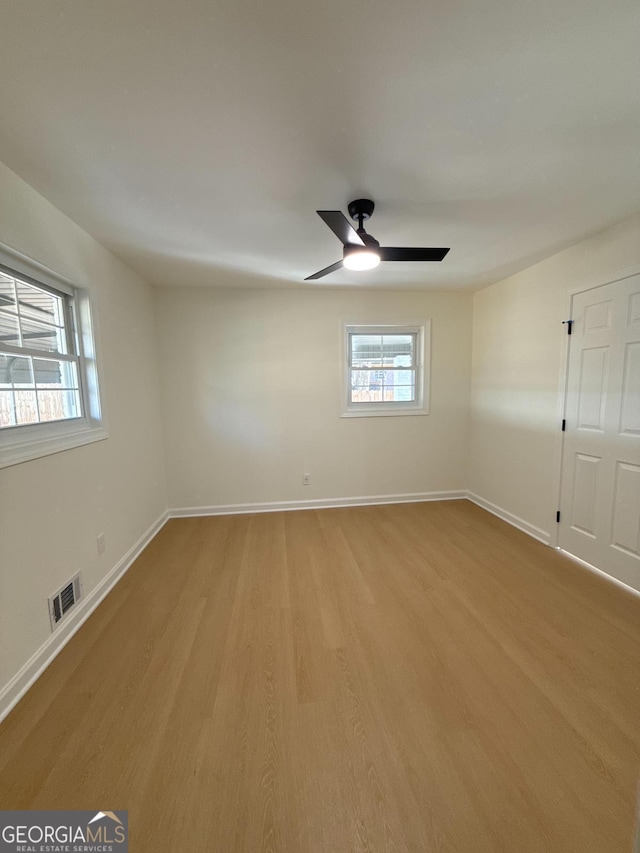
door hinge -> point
(558, 517)
(568, 324)
(564, 424)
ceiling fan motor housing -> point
(361, 207)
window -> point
(386, 370)
(48, 378)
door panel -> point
(630, 415)
(600, 499)
(598, 316)
(585, 492)
(626, 519)
(592, 388)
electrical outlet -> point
(101, 543)
(306, 479)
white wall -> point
(52, 509)
(519, 350)
(251, 397)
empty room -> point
(319, 427)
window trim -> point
(419, 406)
(26, 442)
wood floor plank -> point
(417, 677)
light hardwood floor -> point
(418, 677)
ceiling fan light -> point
(361, 258)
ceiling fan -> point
(361, 251)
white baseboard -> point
(598, 571)
(545, 538)
(12, 692)
(541, 535)
(320, 503)
(530, 529)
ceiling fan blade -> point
(341, 227)
(325, 271)
(393, 253)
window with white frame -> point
(386, 369)
(48, 378)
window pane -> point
(366, 378)
(9, 333)
(398, 347)
(366, 386)
(26, 407)
(58, 405)
(399, 377)
(7, 294)
(7, 415)
(15, 371)
(383, 350)
(400, 394)
(38, 303)
(38, 336)
(50, 373)
(403, 360)
(378, 386)
(366, 350)
(364, 394)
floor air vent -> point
(64, 600)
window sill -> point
(27, 446)
(384, 413)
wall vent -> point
(64, 600)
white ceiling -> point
(196, 140)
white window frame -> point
(22, 443)
(419, 406)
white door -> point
(600, 499)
